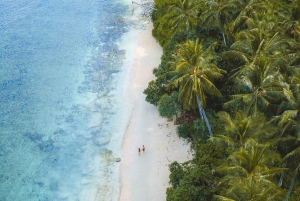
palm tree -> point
(194, 75)
(256, 43)
(242, 127)
(249, 13)
(249, 173)
(292, 184)
(184, 13)
(289, 141)
(260, 84)
(251, 189)
(252, 159)
(218, 12)
(292, 159)
(291, 24)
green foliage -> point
(176, 173)
(190, 182)
(162, 30)
(296, 193)
(258, 45)
(200, 130)
(194, 74)
(168, 105)
(171, 47)
(162, 7)
(183, 130)
(153, 92)
(251, 188)
(239, 128)
(210, 154)
(162, 26)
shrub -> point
(190, 182)
(153, 92)
(168, 105)
(183, 130)
(199, 130)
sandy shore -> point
(146, 176)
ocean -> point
(62, 117)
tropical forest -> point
(229, 77)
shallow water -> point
(59, 72)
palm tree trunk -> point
(203, 116)
(186, 29)
(281, 175)
(291, 186)
(222, 31)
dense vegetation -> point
(230, 77)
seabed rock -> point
(46, 146)
(117, 159)
(101, 138)
(103, 93)
(108, 156)
(60, 131)
(34, 136)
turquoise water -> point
(59, 72)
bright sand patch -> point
(146, 176)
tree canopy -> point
(234, 66)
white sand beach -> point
(146, 176)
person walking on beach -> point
(139, 151)
(143, 148)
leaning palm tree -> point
(287, 197)
(289, 140)
(184, 13)
(194, 73)
(292, 159)
(237, 130)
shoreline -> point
(146, 176)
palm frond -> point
(222, 198)
(293, 153)
(209, 87)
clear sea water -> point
(59, 107)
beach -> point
(146, 175)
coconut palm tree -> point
(242, 127)
(291, 24)
(185, 13)
(194, 75)
(218, 12)
(251, 189)
(260, 85)
(292, 183)
(252, 159)
(256, 43)
(249, 13)
(289, 140)
(249, 173)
